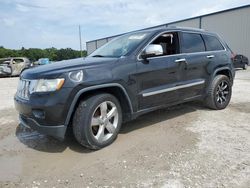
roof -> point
(7, 58)
(171, 28)
(164, 25)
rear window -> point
(192, 42)
(212, 43)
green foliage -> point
(35, 53)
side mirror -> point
(152, 50)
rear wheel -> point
(219, 93)
(97, 121)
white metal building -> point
(232, 24)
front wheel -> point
(97, 121)
(219, 93)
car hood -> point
(57, 68)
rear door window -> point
(192, 42)
(212, 43)
(18, 60)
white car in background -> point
(13, 66)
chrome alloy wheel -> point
(104, 121)
(222, 92)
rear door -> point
(216, 52)
(17, 66)
(194, 73)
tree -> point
(35, 53)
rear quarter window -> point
(212, 43)
(192, 42)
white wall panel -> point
(233, 26)
(101, 42)
(91, 46)
(188, 23)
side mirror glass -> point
(152, 50)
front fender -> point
(91, 88)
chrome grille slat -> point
(23, 89)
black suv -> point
(131, 75)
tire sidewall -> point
(224, 105)
(85, 123)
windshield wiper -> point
(98, 56)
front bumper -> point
(55, 131)
(5, 71)
(3, 74)
(45, 113)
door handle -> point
(210, 56)
(183, 60)
(180, 60)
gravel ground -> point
(183, 146)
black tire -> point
(83, 130)
(215, 98)
(244, 66)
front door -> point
(158, 76)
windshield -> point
(120, 46)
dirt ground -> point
(183, 146)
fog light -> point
(39, 114)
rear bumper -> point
(55, 131)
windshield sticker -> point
(137, 37)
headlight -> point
(76, 76)
(47, 85)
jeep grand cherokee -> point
(129, 76)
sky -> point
(55, 23)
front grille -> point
(23, 89)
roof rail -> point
(187, 28)
(171, 26)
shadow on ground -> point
(157, 116)
(40, 142)
(44, 143)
